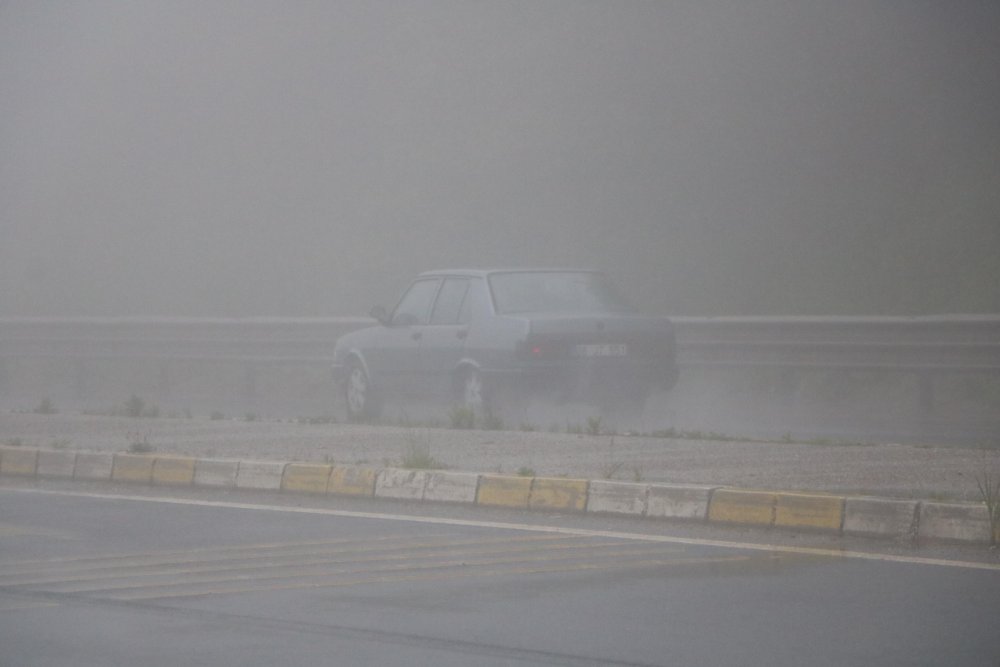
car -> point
(493, 340)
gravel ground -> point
(871, 469)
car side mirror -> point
(378, 312)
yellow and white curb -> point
(825, 513)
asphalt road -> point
(110, 576)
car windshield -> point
(556, 292)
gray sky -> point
(261, 158)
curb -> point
(863, 516)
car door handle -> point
(417, 335)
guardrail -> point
(926, 347)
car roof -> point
(482, 273)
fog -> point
(305, 159)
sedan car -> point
(492, 340)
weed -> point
(525, 471)
(989, 491)
(611, 468)
(574, 429)
(527, 427)
(593, 425)
(151, 412)
(134, 406)
(322, 419)
(46, 407)
(216, 416)
(250, 417)
(491, 422)
(14, 442)
(138, 443)
(462, 417)
(417, 455)
(553, 428)
(61, 443)
(328, 459)
(636, 474)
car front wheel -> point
(358, 395)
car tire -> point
(359, 397)
(473, 393)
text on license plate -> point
(606, 350)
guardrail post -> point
(163, 379)
(81, 378)
(250, 381)
(926, 390)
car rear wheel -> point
(361, 402)
(473, 391)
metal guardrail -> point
(920, 344)
(86, 349)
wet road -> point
(91, 580)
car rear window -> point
(556, 292)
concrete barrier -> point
(56, 464)
(738, 506)
(607, 497)
(678, 501)
(504, 491)
(451, 487)
(173, 470)
(18, 461)
(306, 478)
(400, 484)
(880, 517)
(352, 481)
(811, 511)
(954, 522)
(216, 473)
(133, 468)
(93, 465)
(263, 475)
(548, 493)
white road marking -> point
(558, 530)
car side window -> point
(449, 301)
(477, 302)
(415, 306)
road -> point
(112, 575)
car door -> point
(444, 337)
(395, 363)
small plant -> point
(250, 417)
(150, 412)
(462, 417)
(216, 416)
(134, 406)
(609, 469)
(527, 427)
(989, 491)
(61, 443)
(525, 471)
(417, 455)
(574, 429)
(14, 442)
(491, 422)
(138, 443)
(636, 474)
(46, 407)
(593, 425)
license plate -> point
(608, 350)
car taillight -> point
(533, 350)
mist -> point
(716, 158)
